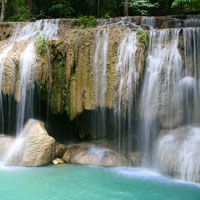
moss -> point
(74, 30)
(41, 44)
(59, 95)
(142, 37)
(43, 91)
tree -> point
(141, 6)
(126, 5)
(187, 5)
(29, 2)
(17, 10)
(3, 2)
(62, 7)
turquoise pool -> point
(76, 182)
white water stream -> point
(44, 29)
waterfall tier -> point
(123, 88)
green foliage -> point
(17, 10)
(87, 22)
(142, 37)
(61, 8)
(43, 91)
(29, 10)
(186, 5)
(177, 3)
(141, 6)
(41, 44)
(106, 16)
(74, 30)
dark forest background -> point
(30, 10)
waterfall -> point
(127, 76)
(26, 76)
(50, 82)
(4, 51)
(100, 82)
(177, 152)
(192, 63)
(100, 66)
(191, 22)
(47, 29)
(168, 100)
(163, 70)
(3, 56)
(149, 21)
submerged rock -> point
(34, 147)
(91, 155)
(178, 153)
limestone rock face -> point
(34, 147)
(178, 153)
(91, 155)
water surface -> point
(74, 182)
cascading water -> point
(45, 29)
(127, 77)
(169, 96)
(149, 21)
(192, 63)
(50, 82)
(26, 85)
(100, 66)
(3, 56)
(100, 81)
(4, 51)
(178, 151)
(163, 69)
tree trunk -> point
(29, 9)
(126, 7)
(169, 6)
(2, 10)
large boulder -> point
(178, 153)
(92, 155)
(34, 147)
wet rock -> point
(91, 155)
(173, 121)
(34, 147)
(60, 150)
(58, 161)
